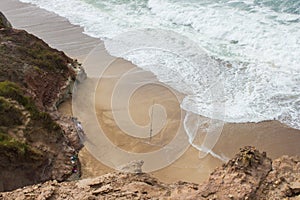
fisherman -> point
(79, 126)
(74, 170)
(74, 158)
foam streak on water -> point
(260, 39)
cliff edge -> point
(4, 23)
(36, 142)
(249, 175)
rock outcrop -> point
(36, 142)
(4, 23)
(239, 178)
(249, 175)
(47, 75)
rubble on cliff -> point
(249, 175)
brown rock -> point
(244, 173)
(34, 80)
(133, 167)
(235, 180)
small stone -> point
(295, 187)
(133, 167)
(103, 190)
(54, 182)
(234, 41)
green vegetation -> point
(13, 91)
(12, 148)
(1, 23)
(31, 76)
(8, 142)
(48, 123)
(9, 115)
(41, 125)
(40, 56)
(37, 69)
(4, 23)
(20, 50)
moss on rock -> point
(12, 147)
(13, 91)
(9, 115)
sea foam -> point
(257, 41)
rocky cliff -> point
(249, 175)
(36, 142)
(4, 23)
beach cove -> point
(270, 136)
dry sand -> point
(273, 137)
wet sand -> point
(118, 77)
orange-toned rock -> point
(252, 178)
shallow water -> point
(259, 39)
(272, 137)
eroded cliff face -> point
(4, 23)
(46, 74)
(36, 142)
(249, 175)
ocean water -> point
(252, 47)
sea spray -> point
(184, 59)
(258, 39)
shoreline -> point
(270, 136)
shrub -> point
(9, 115)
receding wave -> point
(257, 41)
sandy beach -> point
(145, 100)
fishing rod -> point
(151, 123)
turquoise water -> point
(259, 38)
